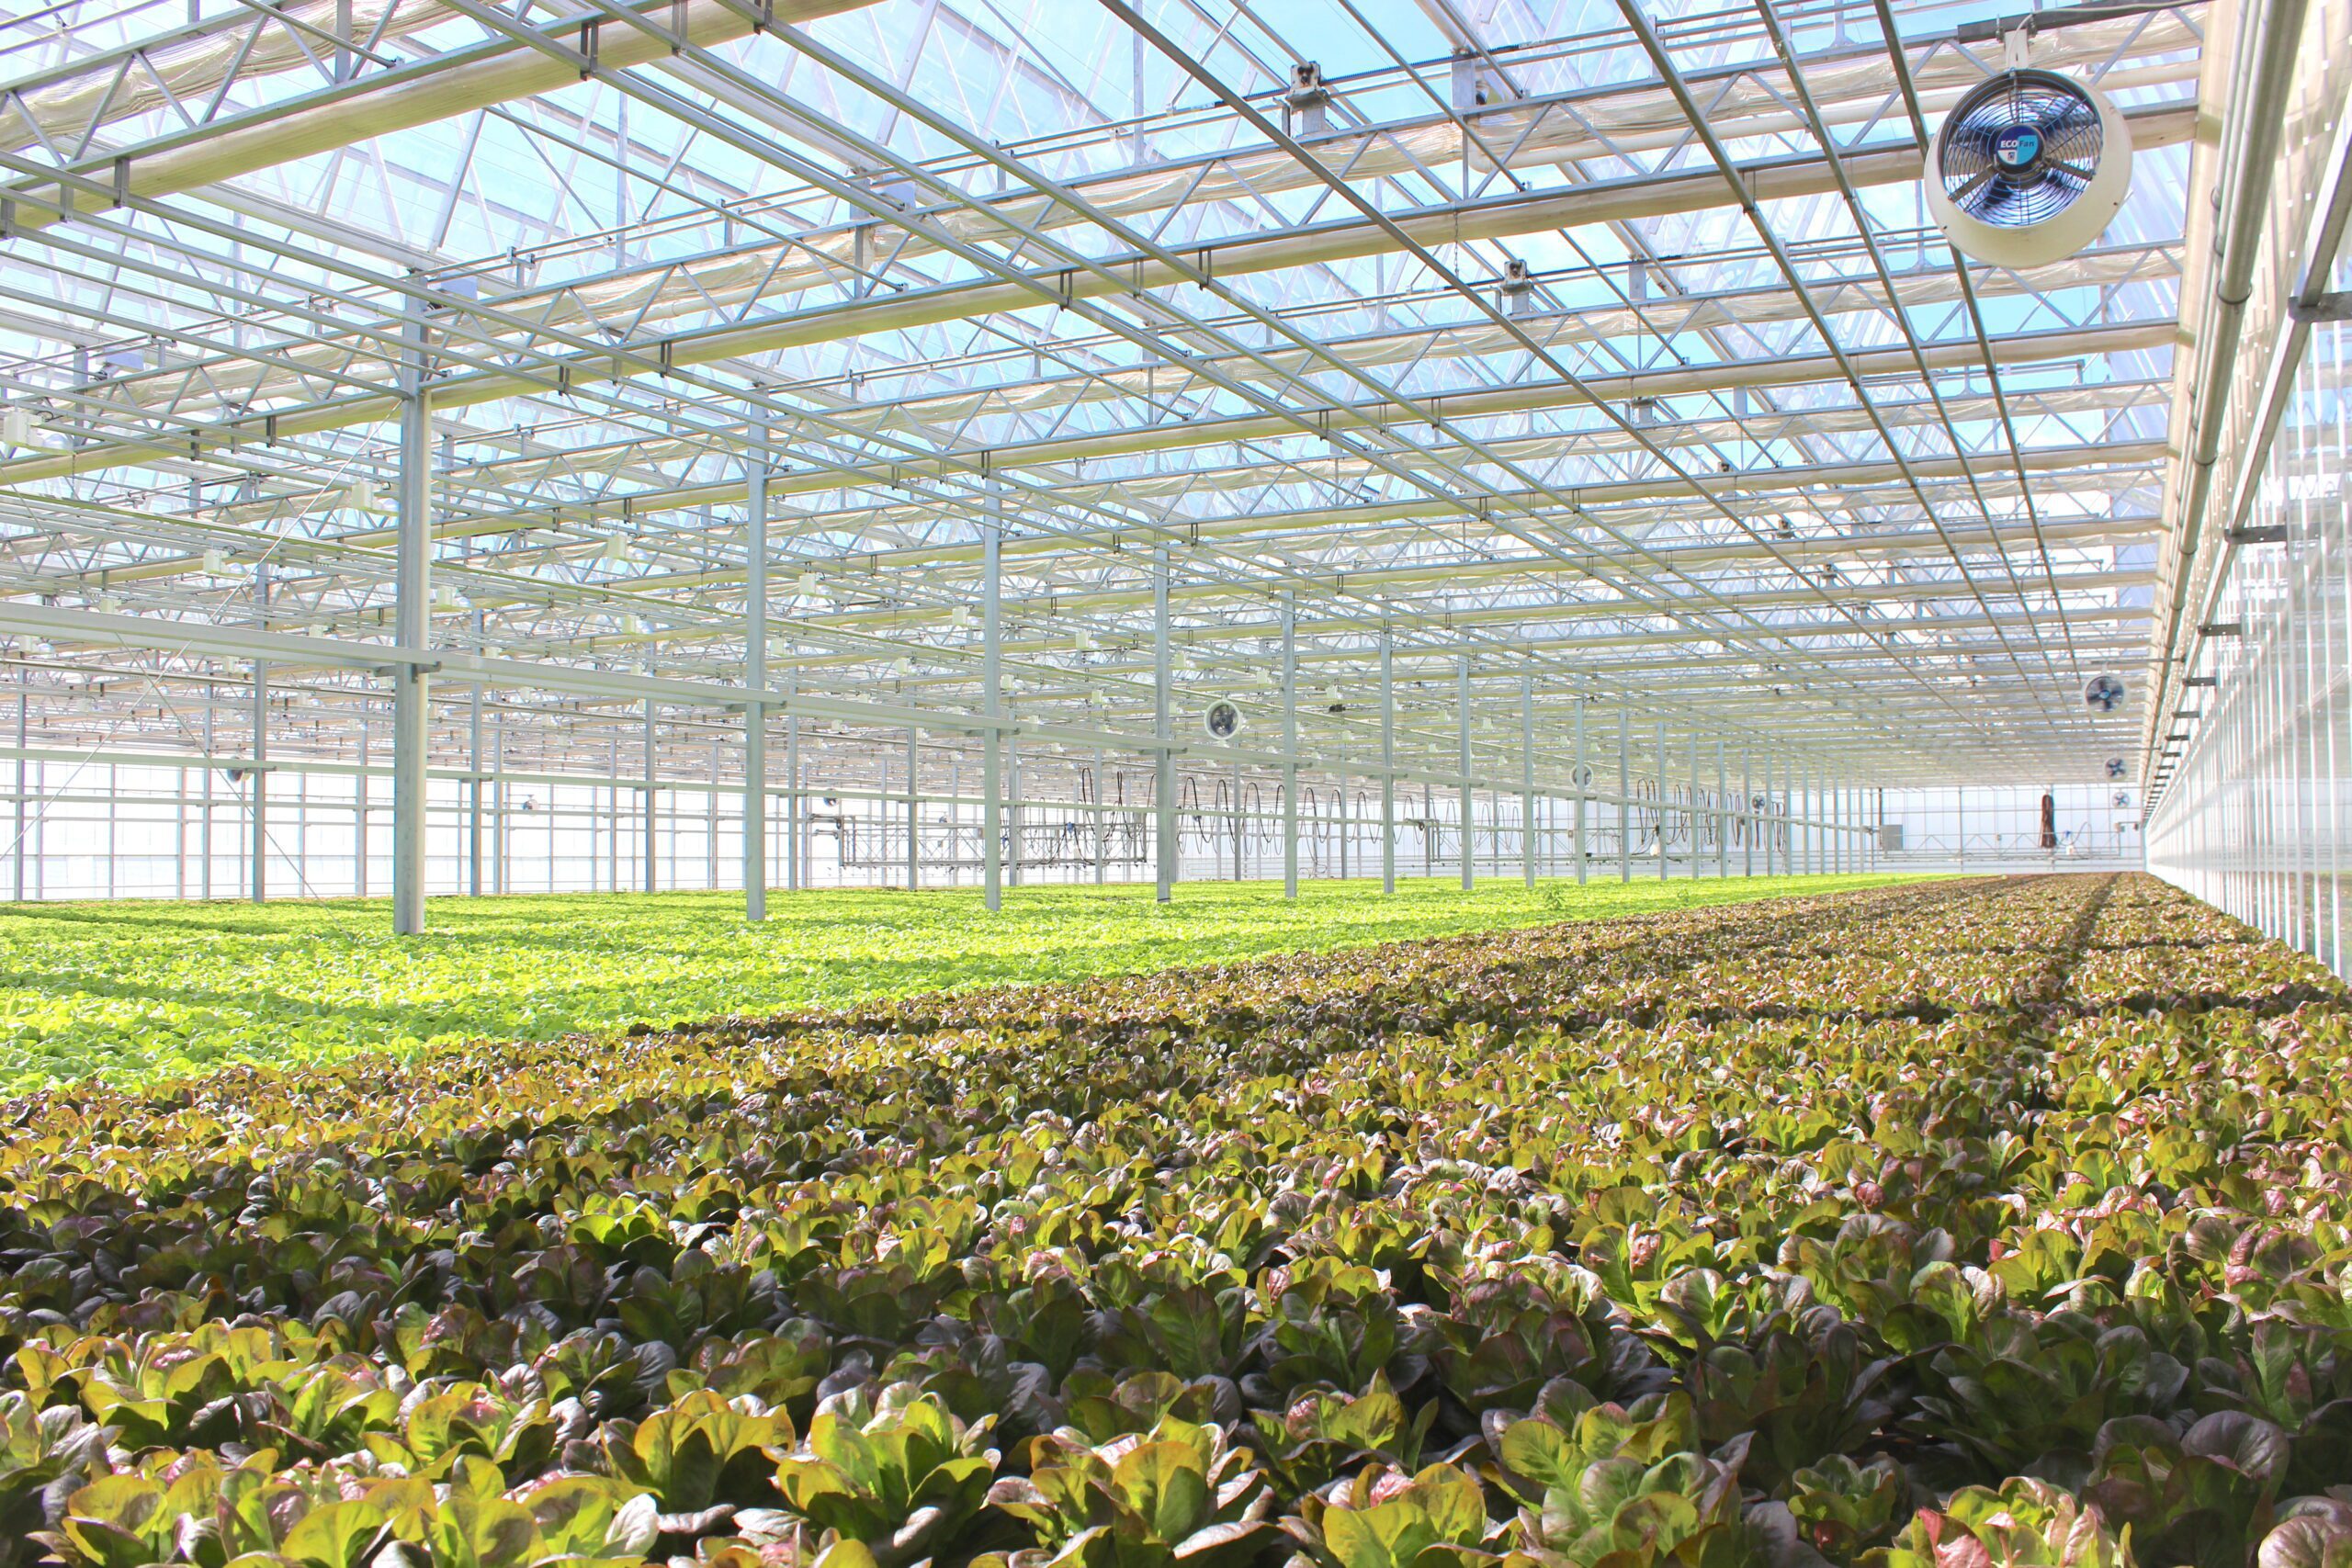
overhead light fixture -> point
(360, 496)
(17, 427)
(903, 665)
(806, 585)
(215, 562)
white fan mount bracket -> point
(2028, 168)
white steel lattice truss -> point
(1601, 348)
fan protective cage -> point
(1221, 721)
(2028, 168)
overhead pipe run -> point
(2246, 161)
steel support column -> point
(798, 872)
(413, 551)
(755, 679)
(257, 794)
(1659, 741)
(1753, 817)
(1723, 816)
(1387, 764)
(652, 807)
(1625, 793)
(1462, 717)
(473, 785)
(24, 679)
(992, 703)
(1163, 801)
(1582, 779)
(1527, 780)
(1290, 745)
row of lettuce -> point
(1965, 1223)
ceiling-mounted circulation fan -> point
(2028, 168)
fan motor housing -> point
(2028, 168)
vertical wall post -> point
(755, 681)
(1832, 844)
(1787, 805)
(24, 679)
(798, 872)
(1387, 764)
(1750, 816)
(1697, 817)
(205, 837)
(501, 868)
(359, 816)
(1461, 716)
(1723, 816)
(1237, 821)
(914, 815)
(1625, 793)
(1340, 795)
(1102, 822)
(1013, 794)
(1163, 802)
(1661, 799)
(1812, 822)
(1786, 832)
(473, 765)
(652, 817)
(1290, 745)
(1583, 782)
(1527, 780)
(257, 793)
(992, 703)
(1817, 836)
(413, 502)
(1825, 814)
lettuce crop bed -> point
(1938, 1226)
(140, 990)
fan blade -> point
(2068, 117)
(1962, 191)
(1998, 203)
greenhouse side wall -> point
(2254, 821)
(2252, 814)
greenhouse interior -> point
(1175, 783)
